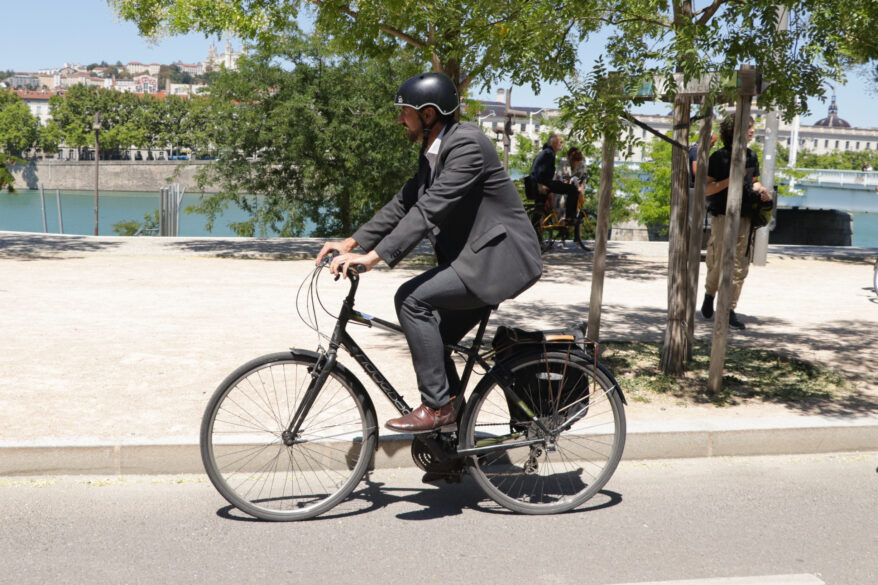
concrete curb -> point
(655, 440)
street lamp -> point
(97, 128)
(530, 121)
(486, 117)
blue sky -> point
(39, 34)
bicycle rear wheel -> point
(243, 448)
(579, 403)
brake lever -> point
(354, 271)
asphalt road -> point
(661, 520)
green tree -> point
(132, 227)
(18, 127)
(314, 139)
(74, 114)
(847, 160)
(470, 41)
(7, 180)
(649, 188)
(50, 137)
(678, 41)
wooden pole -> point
(696, 220)
(676, 345)
(730, 237)
(602, 229)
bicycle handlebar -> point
(354, 270)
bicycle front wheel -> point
(245, 453)
(522, 467)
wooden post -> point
(605, 196)
(676, 345)
(696, 220)
(730, 237)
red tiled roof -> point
(37, 95)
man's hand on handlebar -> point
(363, 262)
(342, 247)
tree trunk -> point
(730, 237)
(676, 346)
(696, 221)
(605, 196)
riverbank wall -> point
(824, 227)
(113, 175)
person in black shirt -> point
(718, 170)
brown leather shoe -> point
(423, 419)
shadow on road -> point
(49, 247)
(434, 501)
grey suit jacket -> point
(472, 214)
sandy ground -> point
(124, 340)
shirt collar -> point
(433, 152)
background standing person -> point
(718, 170)
(542, 171)
(464, 201)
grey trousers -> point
(435, 308)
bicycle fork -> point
(321, 371)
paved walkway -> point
(111, 346)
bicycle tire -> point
(583, 457)
(536, 217)
(245, 456)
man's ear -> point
(428, 115)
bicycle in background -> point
(550, 228)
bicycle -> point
(549, 227)
(289, 435)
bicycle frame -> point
(341, 338)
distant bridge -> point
(829, 189)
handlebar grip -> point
(328, 258)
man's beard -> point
(413, 135)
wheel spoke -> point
(563, 389)
(245, 453)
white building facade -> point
(831, 134)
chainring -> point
(437, 455)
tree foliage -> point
(127, 120)
(312, 133)
(7, 180)
(18, 127)
(660, 39)
(846, 160)
(531, 42)
(649, 188)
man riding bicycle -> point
(464, 202)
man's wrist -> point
(349, 244)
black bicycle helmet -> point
(429, 89)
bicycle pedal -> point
(452, 428)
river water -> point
(23, 212)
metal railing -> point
(839, 177)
